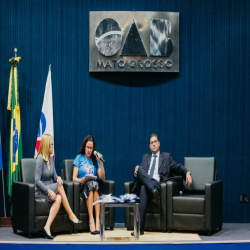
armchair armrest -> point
(128, 187)
(107, 187)
(69, 191)
(23, 195)
(163, 204)
(173, 189)
(213, 205)
(76, 199)
(127, 190)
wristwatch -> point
(188, 173)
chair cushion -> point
(42, 208)
(189, 204)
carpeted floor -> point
(120, 234)
(231, 232)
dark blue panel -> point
(225, 246)
(202, 111)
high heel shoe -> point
(74, 226)
(92, 222)
(97, 232)
(74, 223)
(47, 236)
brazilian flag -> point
(16, 150)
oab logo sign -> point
(134, 41)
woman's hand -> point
(52, 195)
(83, 180)
(99, 156)
(59, 180)
(75, 176)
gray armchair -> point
(30, 214)
(156, 217)
(200, 206)
(80, 207)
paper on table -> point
(90, 177)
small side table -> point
(136, 217)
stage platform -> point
(232, 236)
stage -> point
(232, 236)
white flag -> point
(46, 125)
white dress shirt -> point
(156, 175)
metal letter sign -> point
(123, 41)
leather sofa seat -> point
(156, 217)
(80, 207)
(42, 208)
(198, 207)
(30, 214)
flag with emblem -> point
(16, 150)
(46, 125)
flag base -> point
(5, 222)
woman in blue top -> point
(86, 164)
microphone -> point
(95, 153)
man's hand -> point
(136, 169)
(59, 180)
(188, 179)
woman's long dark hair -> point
(82, 149)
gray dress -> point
(45, 178)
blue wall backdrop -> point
(202, 111)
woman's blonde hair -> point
(46, 141)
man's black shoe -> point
(141, 232)
(156, 194)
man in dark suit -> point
(154, 168)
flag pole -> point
(4, 206)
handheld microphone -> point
(95, 153)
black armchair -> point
(198, 207)
(30, 214)
(80, 207)
(156, 217)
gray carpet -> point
(230, 232)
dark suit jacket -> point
(167, 167)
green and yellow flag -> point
(16, 150)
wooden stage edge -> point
(5, 222)
(124, 242)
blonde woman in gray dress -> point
(49, 186)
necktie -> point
(153, 167)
